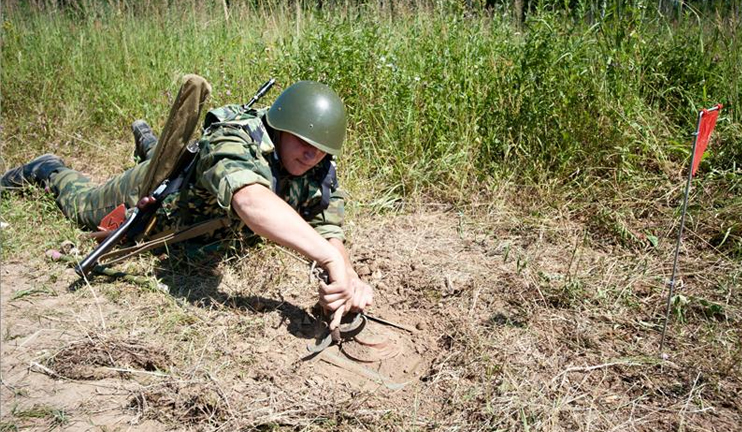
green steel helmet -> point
(313, 112)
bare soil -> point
(511, 325)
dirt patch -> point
(186, 404)
(96, 358)
(514, 328)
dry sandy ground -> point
(512, 328)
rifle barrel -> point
(260, 93)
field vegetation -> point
(570, 123)
(444, 101)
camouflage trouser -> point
(87, 203)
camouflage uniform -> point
(233, 154)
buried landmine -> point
(375, 349)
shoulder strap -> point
(329, 185)
(166, 238)
(221, 114)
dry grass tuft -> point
(96, 358)
(183, 403)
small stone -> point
(374, 266)
(381, 286)
(53, 254)
(421, 326)
(67, 247)
(377, 275)
(363, 270)
(499, 318)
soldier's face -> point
(298, 156)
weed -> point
(8, 427)
(566, 295)
(506, 252)
(521, 262)
(592, 101)
(30, 219)
(59, 417)
(17, 295)
(35, 412)
(566, 98)
(682, 305)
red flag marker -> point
(706, 122)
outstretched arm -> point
(269, 216)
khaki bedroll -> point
(181, 123)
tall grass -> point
(441, 99)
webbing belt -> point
(166, 238)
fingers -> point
(368, 298)
(331, 306)
(363, 297)
(355, 296)
(333, 288)
(332, 298)
(359, 299)
(336, 317)
(145, 202)
(355, 302)
(334, 295)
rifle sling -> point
(165, 238)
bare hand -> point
(146, 202)
(363, 295)
(334, 295)
(337, 316)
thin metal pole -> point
(680, 232)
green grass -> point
(8, 426)
(43, 290)
(56, 417)
(35, 225)
(442, 104)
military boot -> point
(35, 172)
(144, 139)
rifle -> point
(142, 215)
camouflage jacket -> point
(239, 152)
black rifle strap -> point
(329, 185)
